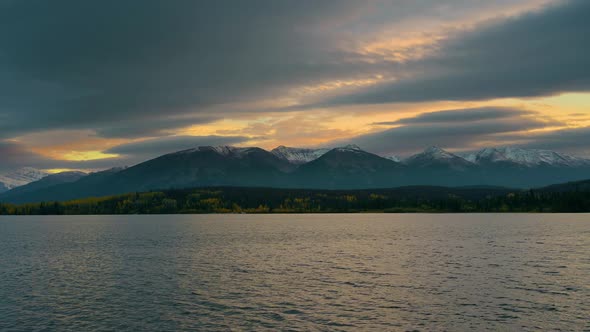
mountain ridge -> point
(525, 157)
(298, 156)
(347, 167)
(19, 177)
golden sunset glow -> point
(61, 170)
(87, 155)
(320, 127)
(337, 85)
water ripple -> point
(295, 273)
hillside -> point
(272, 200)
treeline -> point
(266, 200)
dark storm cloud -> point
(159, 146)
(539, 53)
(69, 64)
(149, 128)
(86, 64)
(461, 115)
(416, 134)
(13, 155)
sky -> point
(89, 85)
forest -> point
(272, 200)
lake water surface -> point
(378, 272)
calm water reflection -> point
(295, 272)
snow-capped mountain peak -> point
(526, 157)
(349, 147)
(435, 156)
(487, 154)
(298, 155)
(21, 177)
(393, 158)
(224, 150)
(438, 153)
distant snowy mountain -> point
(45, 182)
(393, 158)
(350, 148)
(487, 154)
(20, 177)
(298, 156)
(525, 157)
(437, 157)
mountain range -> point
(20, 177)
(347, 167)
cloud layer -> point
(539, 53)
(143, 72)
(77, 65)
(461, 115)
(71, 64)
(454, 129)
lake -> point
(348, 272)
